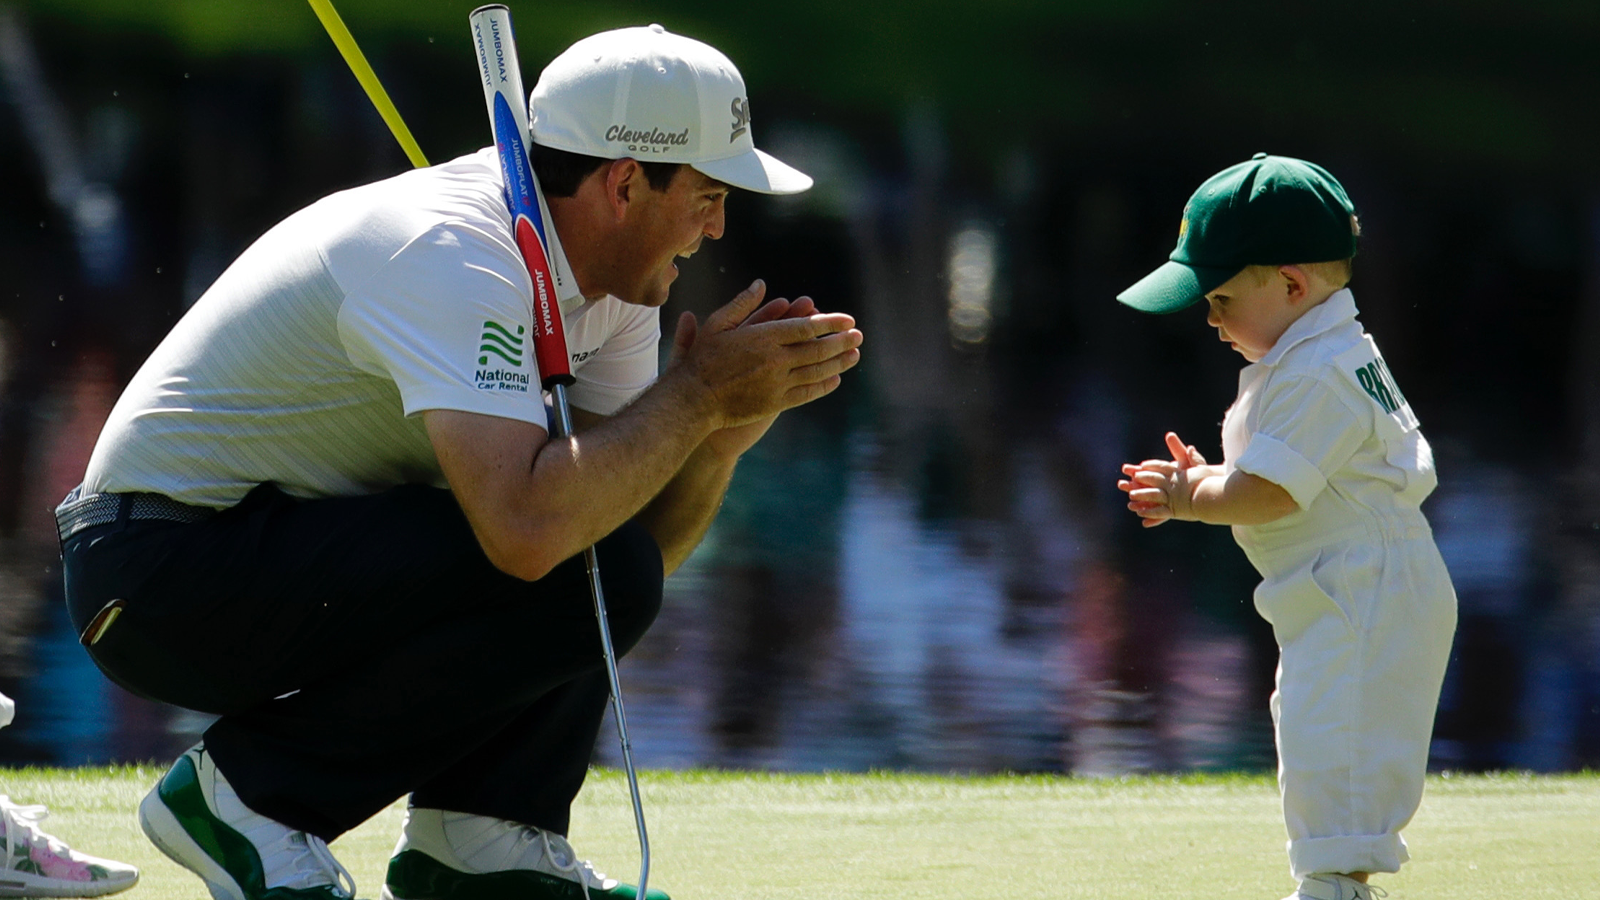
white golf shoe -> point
(457, 856)
(37, 864)
(193, 816)
(1324, 886)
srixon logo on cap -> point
(741, 118)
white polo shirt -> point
(308, 361)
(1321, 416)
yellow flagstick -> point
(369, 79)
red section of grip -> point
(549, 337)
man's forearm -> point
(533, 503)
(532, 508)
(680, 515)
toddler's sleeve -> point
(1305, 432)
(8, 710)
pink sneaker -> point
(37, 864)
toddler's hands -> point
(1183, 455)
(1159, 490)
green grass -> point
(739, 835)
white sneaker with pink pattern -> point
(36, 864)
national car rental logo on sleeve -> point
(500, 354)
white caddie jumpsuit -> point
(1352, 583)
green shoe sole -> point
(414, 875)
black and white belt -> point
(79, 510)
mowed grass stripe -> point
(731, 835)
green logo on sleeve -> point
(499, 340)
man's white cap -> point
(655, 96)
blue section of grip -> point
(514, 164)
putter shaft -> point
(563, 428)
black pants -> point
(409, 662)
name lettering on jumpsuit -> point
(1376, 380)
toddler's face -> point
(1251, 310)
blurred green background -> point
(1450, 85)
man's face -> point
(660, 227)
(1251, 310)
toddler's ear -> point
(1296, 283)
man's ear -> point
(622, 182)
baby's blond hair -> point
(1335, 273)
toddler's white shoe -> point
(1335, 887)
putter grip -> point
(501, 77)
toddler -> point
(1323, 473)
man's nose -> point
(717, 220)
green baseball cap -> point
(1270, 211)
